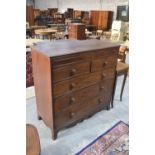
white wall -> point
(29, 2)
(85, 5)
(44, 4)
(79, 4)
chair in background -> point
(32, 140)
(117, 30)
(99, 33)
(122, 53)
(121, 70)
(107, 34)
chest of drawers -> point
(76, 31)
(73, 80)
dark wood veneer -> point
(73, 80)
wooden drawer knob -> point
(105, 63)
(103, 75)
(100, 101)
(72, 100)
(72, 114)
(101, 87)
(73, 71)
(72, 86)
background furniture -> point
(52, 11)
(48, 32)
(101, 19)
(70, 12)
(32, 29)
(118, 30)
(91, 28)
(59, 18)
(29, 75)
(122, 53)
(76, 31)
(121, 69)
(73, 80)
(42, 20)
(32, 140)
(30, 15)
(123, 13)
(77, 14)
(36, 13)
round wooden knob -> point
(103, 75)
(72, 114)
(72, 85)
(72, 100)
(105, 63)
(101, 87)
(73, 71)
(100, 101)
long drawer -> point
(70, 71)
(79, 82)
(78, 112)
(79, 96)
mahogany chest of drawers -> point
(76, 31)
(73, 80)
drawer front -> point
(86, 80)
(112, 52)
(76, 113)
(72, 59)
(104, 63)
(80, 96)
(70, 71)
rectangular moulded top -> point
(65, 47)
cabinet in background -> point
(101, 19)
(30, 15)
(76, 31)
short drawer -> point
(76, 113)
(70, 59)
(104, 63)
(70, 71)
(112, 52)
